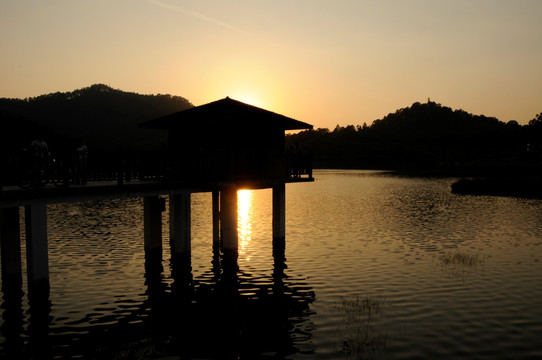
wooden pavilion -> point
(228, 140)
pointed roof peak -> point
(227, 112)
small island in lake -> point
(526, 187)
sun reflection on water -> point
(244, 216)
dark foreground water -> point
(375, 267)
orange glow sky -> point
(323, 62)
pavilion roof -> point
(227, 113)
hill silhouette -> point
(105, 117)
(428, 138)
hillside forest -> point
(429, 138)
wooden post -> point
(279, 212)
(12, 280)
(216, 216)
(228, 218)
(152, 222)
(179, 222)
(36, 247)
(10, 245)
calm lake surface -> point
(375, 266)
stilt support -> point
(37, 256)
(279, 212)
(228, 218)
(216, 216)
(10, 245)
(179, 223)
(152, 222)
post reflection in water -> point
(227, 312)
(13, 318)
(18, 342)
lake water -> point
(375, 266)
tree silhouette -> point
(537, 121)
(424, 137)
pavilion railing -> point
(241, 165)
(203, 166)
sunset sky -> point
(323, 62)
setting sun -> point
(249, 98)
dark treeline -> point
(424, 137)
(108, 119)
(428, 138)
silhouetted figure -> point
(40, 157)
(297, 163)
(291, 160)
(163, 171)
(81, 162)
